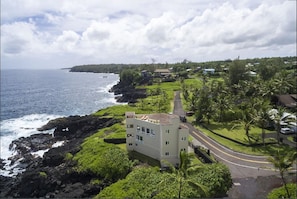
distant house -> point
(160, 136)
(208, 71)
(249, 65)
(162, 72)
(145, 73)
(252, 73)
(197, 69)
(288, 100)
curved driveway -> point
(240, 165)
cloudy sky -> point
(63, 33)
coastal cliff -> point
(54, 175)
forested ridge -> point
(185, 64)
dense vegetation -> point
(282, 193)
(102, 159)
(109, 163)
(231, 101)
(144, 182)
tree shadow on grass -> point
(220, 126)
(271, 149)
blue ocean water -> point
(30, 98)
(25, 92)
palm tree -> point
(182, 173)
(283, 162)
(262, 117)
(246, 122)
(222, 104)
(281, 84)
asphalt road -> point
(253, 176)
(240, 165)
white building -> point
(208, 71)
(160, 136)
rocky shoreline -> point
(53, 175)
(127, 93)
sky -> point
(44, 34)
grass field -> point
(255, 150)
(236, 131)
(150, 105)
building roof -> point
(209, 69)
(162, 70)
(288, 100)
(161, 118)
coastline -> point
(67, 135)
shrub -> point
(281, 192)
(42, 174)
(216, 177)
(103, 159)
(149, 182)
(68, 157)
(114, 164)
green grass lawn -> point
(148, 105)
(255, 150)
(291, 138)
(236, 131)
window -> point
(152, 132)
(184, 138)
(129, 135)
(166, 153)
(130, 144)
(147, 130)
(139, 138)
(138, 128)
(183, 149)
(129, 125)
(167, 131)
(143, 129)
(167, 142)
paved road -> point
(253, 176)
(240, 165)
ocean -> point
(30, 98)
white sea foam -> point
(57, 144)
(15, 128)
(40, 153)
(12, 170)
(106, 88)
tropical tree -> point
(282, 83)
(283, 162)
(249, 114)
(204, 105)
(129, 77)
(237, 72)
(181, 174)
(262, 118)
(266, 71)
(216, 87)
(221, 103)
(185, 91)
(194, 99)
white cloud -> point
(92, 31)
